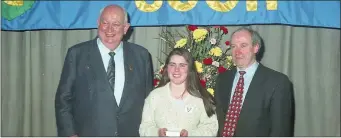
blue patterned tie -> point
(111, 71)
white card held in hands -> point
(173, 133)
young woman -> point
(180, 106)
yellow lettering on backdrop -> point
(222, 7)
(271, 4)
(182, 6)
(14, 2)
(145, 7)
(251, 5)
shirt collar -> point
(104, 49)
(251, 69)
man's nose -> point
(111, 28)
(237, 50)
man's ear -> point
(98, 21)
(126, 27)
(256, 48)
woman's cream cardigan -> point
(163, 111)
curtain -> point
(31, 64)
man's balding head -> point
(115, 8)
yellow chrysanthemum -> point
(229, 58)
(228, 64)
(211, 91)
(199, 34)
(216, 51)
(198, 65)
(181, 43)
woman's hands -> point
(184, 133)
(162, 132)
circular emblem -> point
(10, 9)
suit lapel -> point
(96, 61)
(228, 87)
(128, 71)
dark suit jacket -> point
(267, 109)
(85, 104)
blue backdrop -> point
(29, 15)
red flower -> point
(203, 83)
(208, 61)
(155, 82)
(221, 69)
(227, 43)
(224, 29)
(192, 27)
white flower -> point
(161, 67)
(215, 63)
(213, 41)
(207, 76)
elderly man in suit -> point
(104, 82)
(252, 100)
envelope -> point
(173, 133)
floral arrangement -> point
(205, 45)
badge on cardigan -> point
(189, 109)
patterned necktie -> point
(111, 70)
(235, 107)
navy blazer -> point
(84, 102)
(268, 106)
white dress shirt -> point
(119, 67)
(250, 71)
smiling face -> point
(243, 50)
(112, 25)
(177, 69)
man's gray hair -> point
(124, 11)
(256, 39)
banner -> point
(34, 14)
